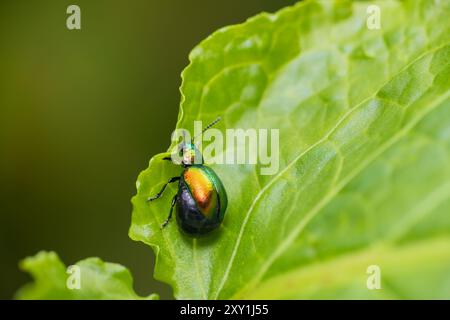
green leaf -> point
(97, 279)
(364, 179)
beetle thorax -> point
(190, 155)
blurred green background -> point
(82, 112)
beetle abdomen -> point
(201, 201)
(189, 218)
(202, 190)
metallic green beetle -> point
(201, 199)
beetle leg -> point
(159, 194)
(174, 200)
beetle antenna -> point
(207, 127)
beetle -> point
(201, 200)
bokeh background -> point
(81, 114)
